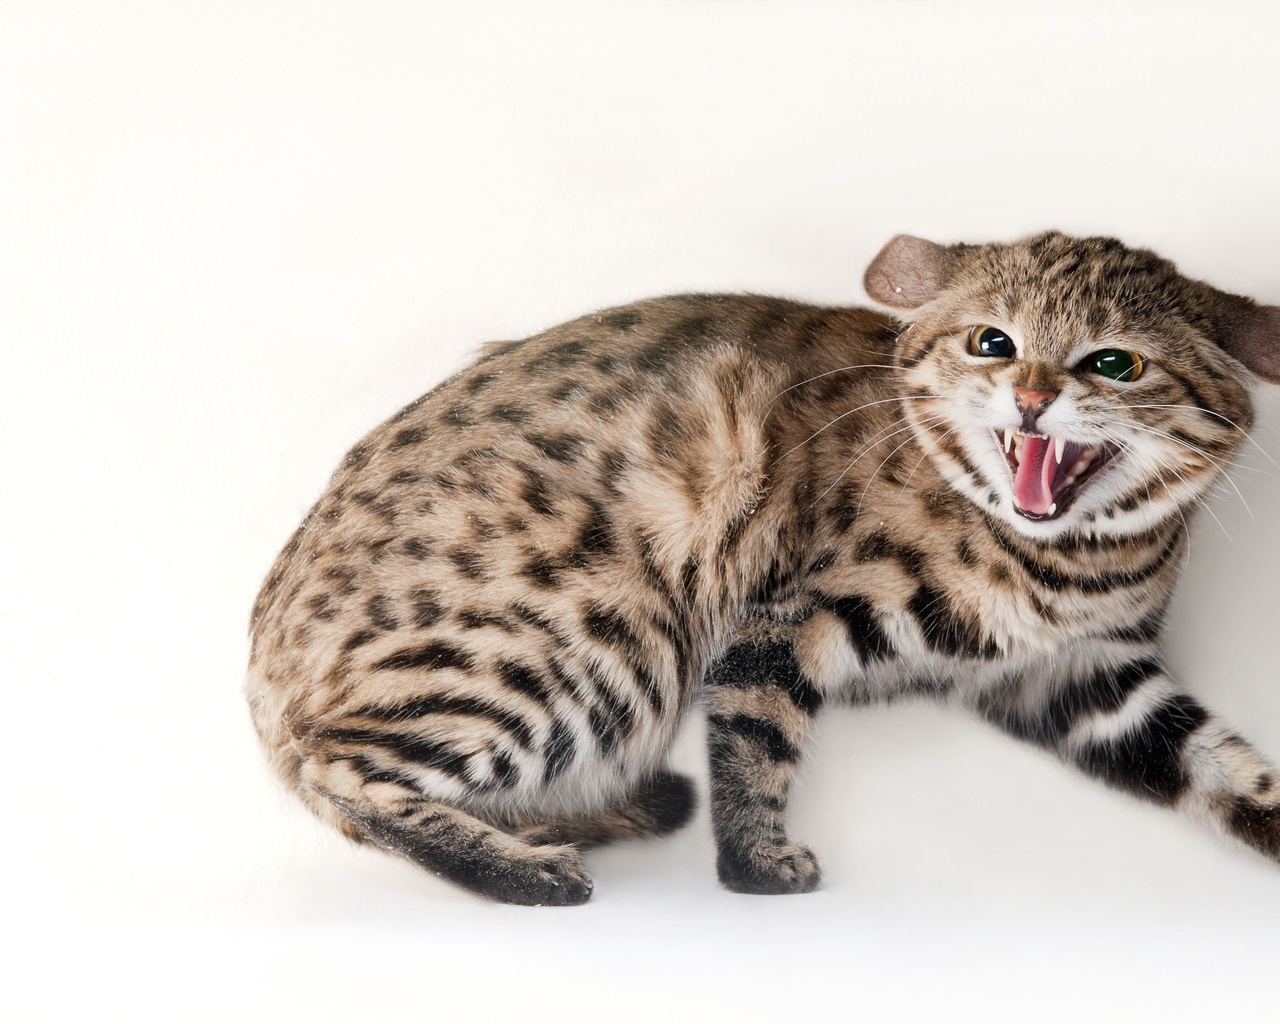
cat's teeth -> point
(1008, 439)
(1059, 446)
(1053, 508)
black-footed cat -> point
(477, 647)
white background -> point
(235, 236)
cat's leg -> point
(658, 807)
(1133, 727)
(759, 713)
(445, 840)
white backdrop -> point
(235, 236)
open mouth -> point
(1048, 471)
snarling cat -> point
(476, 649)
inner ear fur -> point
(908, 272)
(1248, 331)
(1256, 342)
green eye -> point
(991, 341)
(1116, 364)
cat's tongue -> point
(1033, 484)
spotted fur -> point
(475, 650)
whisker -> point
(867, 451)
(828, 373)
(1225, 419)
(868, 405)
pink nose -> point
(1034, 402)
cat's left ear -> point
(1254, 339)
(908, 272)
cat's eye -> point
(991, 341)
(1116, 364)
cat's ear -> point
(1255, 341)
(908, 272)
(1247, 330)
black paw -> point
(770, 870)
(556, 880)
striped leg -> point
(759, 714)
(1132, 727)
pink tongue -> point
(1033, 486)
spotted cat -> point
(476, 649)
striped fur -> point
(477, 647)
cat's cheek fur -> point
(476, 649)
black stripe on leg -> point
(1102, 692)
(1148, 759)
(868, 639)
(759, 732)
(746, 666)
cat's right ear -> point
(908, 272)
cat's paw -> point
(769, 870)
(557, 879)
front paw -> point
(769, 870)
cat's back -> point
(601, 486)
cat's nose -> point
(1032, 405)
(1033, 401)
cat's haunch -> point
(477, 647)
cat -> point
(475, 650)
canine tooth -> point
(1008, 440)
(1059, 446)
(1053, 508)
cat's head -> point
(1073, 384)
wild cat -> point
(475, 650)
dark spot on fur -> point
(407, 437)
(509, 414)
(823, 561)
(542, 571)
(480, 381)
(427, 610)
(380, 613)
(359, 639)
(469, 563)
(344, 577)
(536, 492)
(564, 448)
(416, 547)
(435, 655)
(471, 619)
(569, 389)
